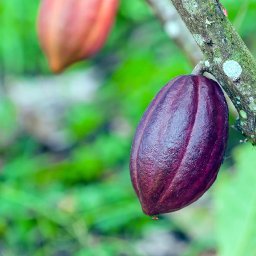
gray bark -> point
(226, 57)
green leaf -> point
(236, 206)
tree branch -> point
(176, 29)
(226, 55)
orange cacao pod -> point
(71, 30)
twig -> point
(176, 29)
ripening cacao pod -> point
(71, 30)
(179, 144)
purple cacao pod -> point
(179, 144)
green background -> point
(78, 200)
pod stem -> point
(200, 68)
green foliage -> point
(82, 120)
(235, 206)
(8, 127)
(19, 48)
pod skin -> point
(71, 30)
(179, 144)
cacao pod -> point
(71, 30)
(179, 144)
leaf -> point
(236, 206)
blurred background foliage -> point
(75, 197)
